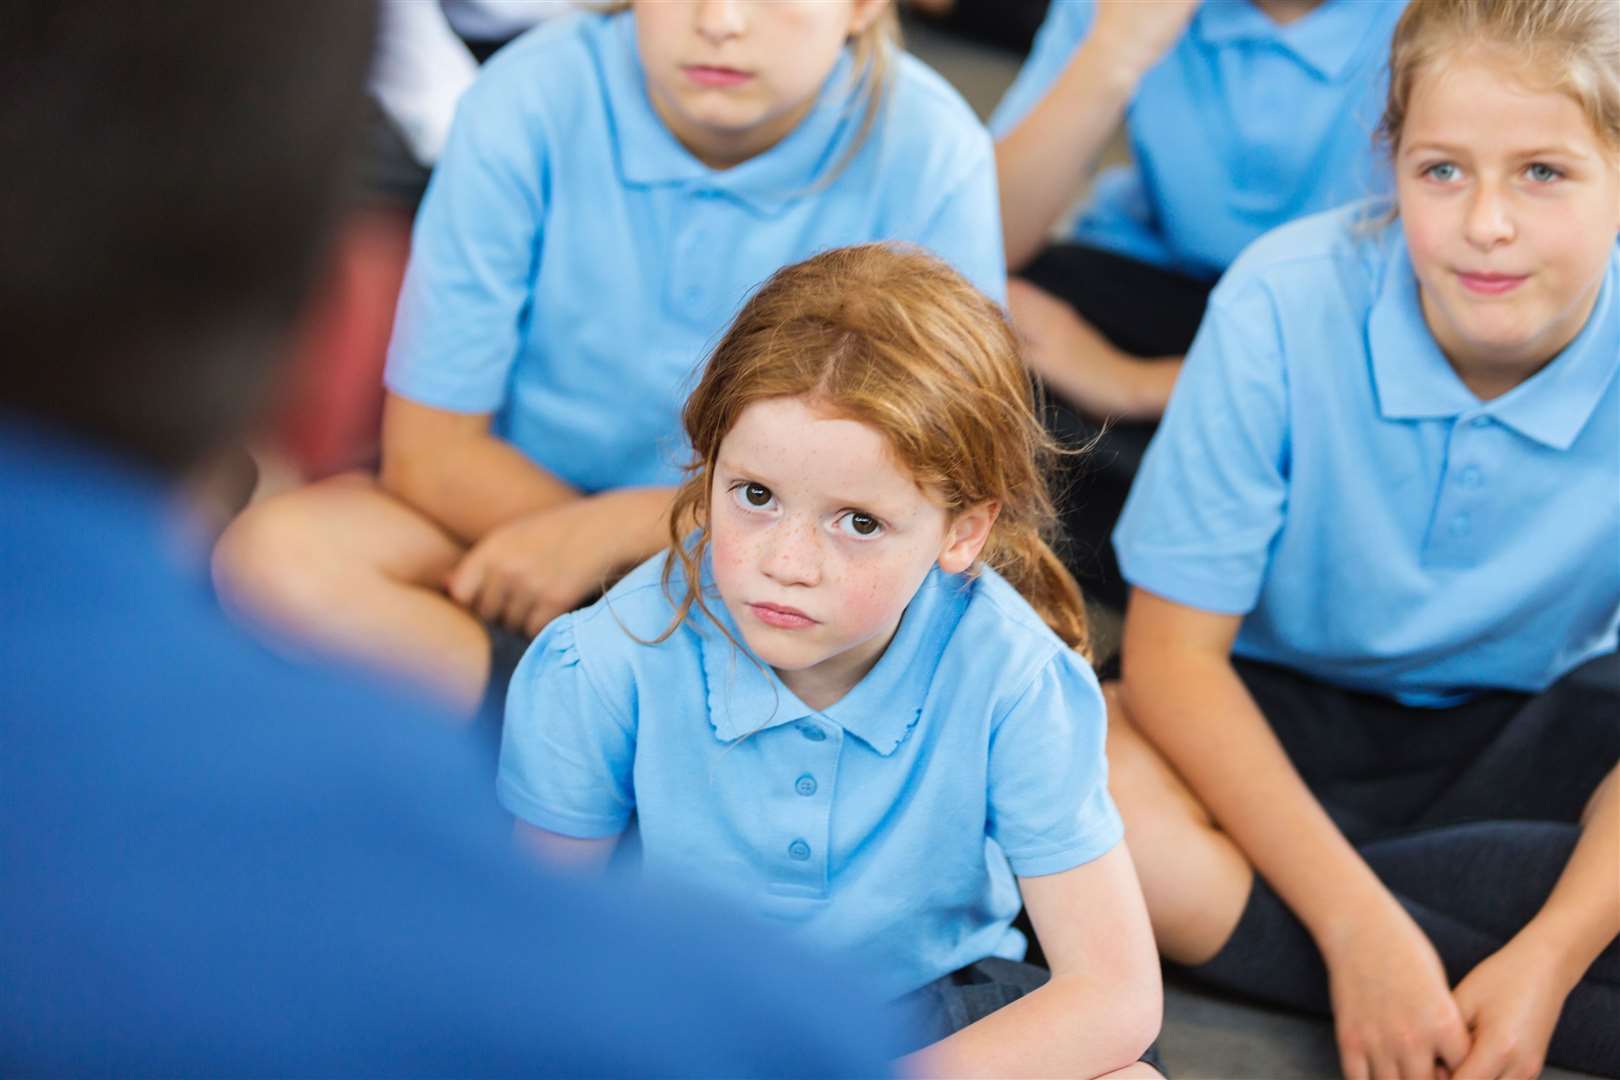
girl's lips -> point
(1490, 284)
(706, 75)
(783, 618)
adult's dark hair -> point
(170, 171)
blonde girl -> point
(1370, 718)
(850, 693)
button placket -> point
(1453, 523)
(691, 273)
(805, 840)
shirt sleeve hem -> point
(1092, 845)
(563, 822)
(437, 394)
(1163, 576)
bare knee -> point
(1194, 878)
(269, 562)
(1136, 1070)
(1139, 777)
(1602, 792)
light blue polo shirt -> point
(1242, 126)
(881, 827)
(1322, 471)
(572, 263)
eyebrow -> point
(726, 465)
(1458, 151)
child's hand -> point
(1073, 357)
(526, 573)
(1392, 1010)
(1138, 34)
(1511, 1001)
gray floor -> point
(1204, 1035)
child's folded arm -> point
(1102, 1008)
(590, 854)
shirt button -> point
(1479, 421)
(798, 851)
(1472, 477)
(805, 785)
(812, 732)
(1459, 525)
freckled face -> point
(819, 540)
(1510, 203)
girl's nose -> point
(1490, 220)
(792, 554)
(717, 21)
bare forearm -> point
(1042, 164)
(568, 853)
(1121, 387)
(1072, 1026)
(1199, 713)
(471, 485)
(1582, 916)
(642, 518)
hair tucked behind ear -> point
(896, 339)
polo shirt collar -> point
(745, 695)
(1414, 380)
(649, 155)
(1325, 40)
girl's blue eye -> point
(1542, 174)
(751, 496)
(1445, 172)
(857, 524)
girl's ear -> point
(966, 537)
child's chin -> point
(782, 655)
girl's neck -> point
(1283, 12)
(827, 683)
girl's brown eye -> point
(757, 494)
(863, 524)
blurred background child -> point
(1241, 115)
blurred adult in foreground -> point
(218, 861)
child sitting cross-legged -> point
(850, 693)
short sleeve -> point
(474, 252)
(1049, 805)
(567, 756)
(1202, 515)
(1066, 24)
(965, 228)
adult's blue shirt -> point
(573, 263)
(1242, 126)
(881, 827)
(1323, 472)
(216, 862)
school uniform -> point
(1429, 586)
(887, 827)
(573, 263)
(1244, 125)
